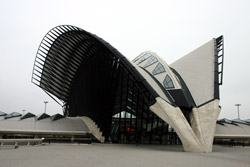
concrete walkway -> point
(118, 155)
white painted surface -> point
(197, 70)
(93, 128)
(31, 124)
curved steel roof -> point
(62, 51)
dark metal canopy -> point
(90, 77)
(62, 52)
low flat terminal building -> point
(55, 128)
(232, 132)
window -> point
(168, 83)
(158, 69)
(151, 61)
(138, 57)
(143, 58)
(122, 115)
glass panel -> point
(146, 56)
(123, 113)
(168, 83)
(158, 69)
(132, 120)
(138, 57)
(151, 61)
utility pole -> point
(45, 102)
(238, 107)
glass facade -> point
(144, 57)
(168, 83)
(132, 120)
(138, 57)
(151, 61)
(150, 129)
(158, 69)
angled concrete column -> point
(192, 140)
(203, 122)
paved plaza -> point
(118, 155)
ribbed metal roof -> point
(62, 52)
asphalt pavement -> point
(121, 155)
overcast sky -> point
(169, 28)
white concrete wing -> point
(197, 70)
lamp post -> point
(238, 107)
(45, 102)
(23, 112)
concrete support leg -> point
(191, 139)
(203, 122)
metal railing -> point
(17, 142)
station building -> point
(140, 101)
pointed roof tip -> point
(57, 117)
(3, 113)
(27, 115)
(42, 116)
(219, 38)
(12, 115)
(201, 62)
